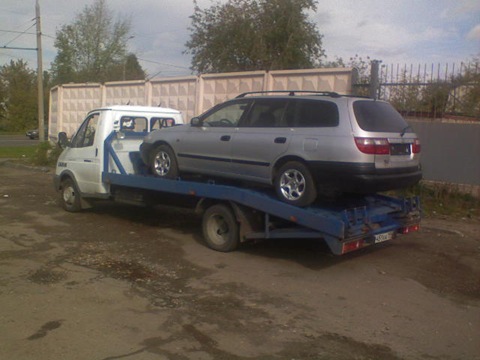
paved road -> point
(16, 140)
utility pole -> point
(41, 120)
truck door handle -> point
(225, 138)
(86, 160)
(280, 140)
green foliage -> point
(46, 154)
(18, 97)
(93, 48)
(245, 35)
(468, 85)
(435, 98)
(444, 200)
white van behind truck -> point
(78, 174)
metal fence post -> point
(374, 79)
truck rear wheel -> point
(220, 228)
(70, 196)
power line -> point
(20, 34)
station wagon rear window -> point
(378, 116)
(312, 113)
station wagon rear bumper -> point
(363, 177)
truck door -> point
(82, 157)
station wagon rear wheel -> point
(220, 228)
(163, 162)
(294, 184)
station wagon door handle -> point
(280, 140)
(225, 138)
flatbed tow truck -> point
(234, 214)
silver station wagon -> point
(302, 143)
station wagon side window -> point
(85, 135)
(133, 124)
(312, 113)
(266, 113)
(226, 116)
(161, 122)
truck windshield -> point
(378, 116)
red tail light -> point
(374, 146)
(416, 147)
(409, 229)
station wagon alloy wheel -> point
(163, 162)
(294, 184)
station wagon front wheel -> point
(294, 184)
(163, 162)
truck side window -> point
(133, 124)
(158, 123)
(85, 136)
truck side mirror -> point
(63, 140)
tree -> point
(243, 35)
(92, 48)
(18, 97)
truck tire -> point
(163, 162)
(220, 228)
(294, 184)
(70, 196)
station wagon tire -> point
(70, 196)
(163, 162)
(294, 184)
(220, 228)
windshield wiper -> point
(405, 130)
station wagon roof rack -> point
(292, 93)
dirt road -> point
(119, 282)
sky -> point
(393, 31)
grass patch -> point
(444, 200)
(43, 154)
(17, 152)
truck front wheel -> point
(220, 228)
(70, 196)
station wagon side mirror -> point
(196, 121)
(63, 140)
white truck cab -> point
(78, 174)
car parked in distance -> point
(303, 143)
(32, 134)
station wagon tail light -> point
(416, 146)
(373, 146)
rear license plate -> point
(384, 237)
(400, 149)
